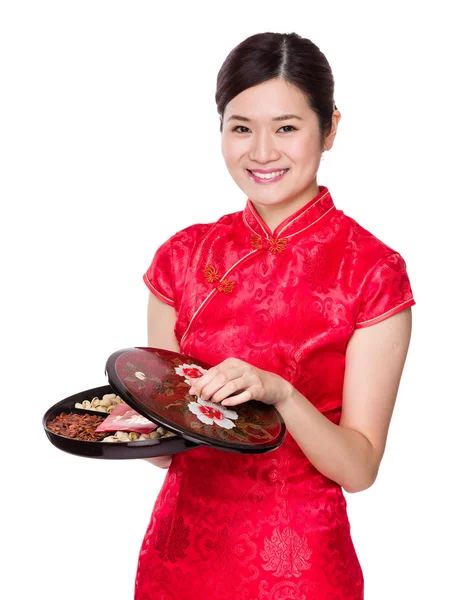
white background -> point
(110, 143)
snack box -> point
(155, 383)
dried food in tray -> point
(99, 449)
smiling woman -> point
(298, 306)
(275, 146)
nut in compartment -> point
(104, 405)
(132, 436)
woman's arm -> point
(161, 319)
(350, 453)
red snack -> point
(124, 418)
(79, 427)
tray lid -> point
(155, 383)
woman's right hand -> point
(160, 461)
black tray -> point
(110, 450)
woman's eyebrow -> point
(281, 118)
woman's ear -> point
(330, 138)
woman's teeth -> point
(269, 175)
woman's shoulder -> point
(362, 241)
(197, 231)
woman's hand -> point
(242, 382)
(161, 461)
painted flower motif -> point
(210, 413)
(140, 375)
(286, 553)
(188, 371)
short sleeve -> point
(159, 276)
(167, 275)
(387, 291)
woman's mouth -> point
(258, 177)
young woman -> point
(298, 306)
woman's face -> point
(271, 128)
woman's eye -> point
(288, 127)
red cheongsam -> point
(265, 526)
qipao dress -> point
(265, 526)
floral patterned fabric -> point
(268, 526)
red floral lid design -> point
(155, 383)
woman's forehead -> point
(267, 101)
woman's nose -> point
(263, 148)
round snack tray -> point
(155, 383)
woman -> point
(297, 306)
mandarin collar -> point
(296, 223)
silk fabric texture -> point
(266, 526)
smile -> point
(267, 177)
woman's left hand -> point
(235, 376)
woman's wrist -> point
(286, 395)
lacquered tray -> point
(155, 383)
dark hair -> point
(286, 56)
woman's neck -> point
(274, 214)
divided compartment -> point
(109, 450)
(94, 411)
(88, 411)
